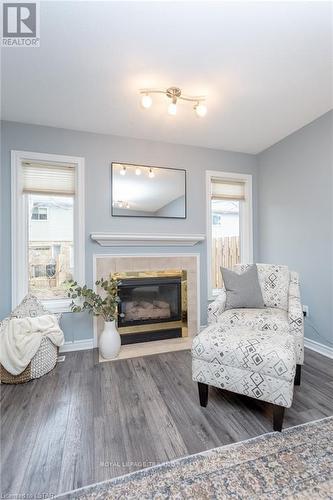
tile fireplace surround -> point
(104, 265)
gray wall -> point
(99, 151)
(295, 205)
(296, 216)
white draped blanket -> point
(21, 338)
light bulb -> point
(201, 110)
(151, 173)
(123, 171)
(172, 108)
(138, 171)
(146, 101)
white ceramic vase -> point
(109, 341)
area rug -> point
(297, 463)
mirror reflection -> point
(144, 191)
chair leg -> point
(278, 414)
(203, 393)
(297, 379)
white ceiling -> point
(266, 68)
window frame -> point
(245, 220)
(19, 226)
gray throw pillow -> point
(242, 290)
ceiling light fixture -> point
(123, 171)
(172, 109)
(174, 94)
(151, 173)
(121, 204)
(138, 171)
(200, 109)
(146, 101)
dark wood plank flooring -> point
(86, 422)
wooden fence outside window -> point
(225, 253)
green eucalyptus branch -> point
(95, 304)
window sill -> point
(57, 305)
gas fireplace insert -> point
(151, 308)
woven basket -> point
(43, 362)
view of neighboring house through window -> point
(38, 212)
(50, 245)
(49, 191)
(225, 208)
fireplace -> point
(149, 265)
(152, 307)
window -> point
(225, 238)
(38, 213)
(58, 232)
(229, 224)
(46, 256)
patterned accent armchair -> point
(283, 308)
(256, 352)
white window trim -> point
(20, 229)
(246, 220)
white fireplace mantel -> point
(145, 240)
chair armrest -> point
(295, 310)
(216, 308)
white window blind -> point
(227, 190)
(41, 178)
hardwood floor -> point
(86, 422)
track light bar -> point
(174, 94)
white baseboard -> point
(77, 345)
(82, 345)
(318, 347)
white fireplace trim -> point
(145, 239)
(131, 256)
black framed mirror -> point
(147, 191)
